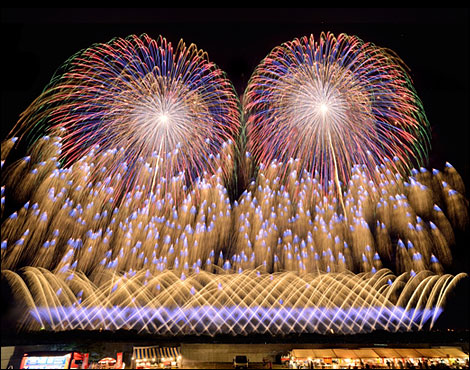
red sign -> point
(119, 360)
(85, 360)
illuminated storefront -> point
(153, 357)
(377, 357)
(54, 360)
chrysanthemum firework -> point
(139, 100)
(332, 103)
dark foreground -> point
(217, 352)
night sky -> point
(433, 43)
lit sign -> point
(46, 362)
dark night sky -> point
(433, 43)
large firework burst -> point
(139, 100)
(334, 102)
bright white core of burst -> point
(323, 108)
(163, 119)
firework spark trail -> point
(333, 103)
(69, 221)
(250, 302)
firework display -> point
(224, 303)
(121, 215)
(334, 102)
(69, 221)
(138, 99)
